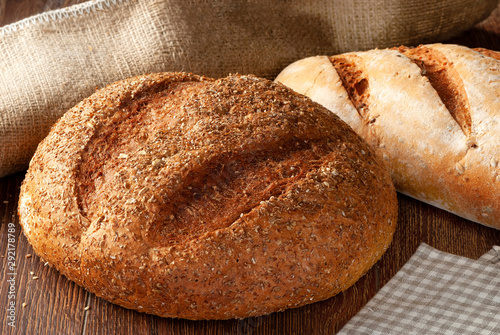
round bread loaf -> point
(189, 197)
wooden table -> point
(47, 303)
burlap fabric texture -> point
(51, 61)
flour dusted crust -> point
(431, 112)
(189, 197)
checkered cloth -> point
(435, 293)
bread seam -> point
(446, 82)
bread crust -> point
(442, 147)
(189, 197)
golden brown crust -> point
(445, 80)
(189, 197)
(489, 53)
(433, 117)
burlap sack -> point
(51, 61)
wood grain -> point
(54, 305)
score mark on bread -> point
(189, 197)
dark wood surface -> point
(47, 303)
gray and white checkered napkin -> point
(435, 293)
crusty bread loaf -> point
(432, 112)
(189, 197)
